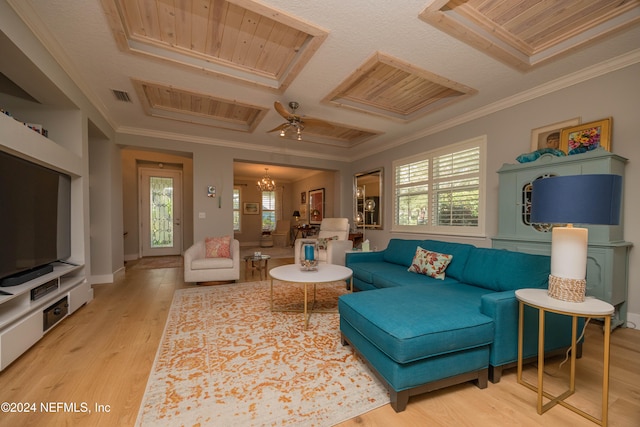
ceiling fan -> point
(294, 121)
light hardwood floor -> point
(102, 355)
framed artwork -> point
(316, 206)
(549, 136)
(586, 137)
(251, 208)
(303, 198)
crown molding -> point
(125, 130)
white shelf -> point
(13, 307)
(19, 140)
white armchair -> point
(335, 251)
(281, 233)
(198, 268)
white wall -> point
(616, 94)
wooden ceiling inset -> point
(237, 39)
(391, 88)
(171, 103)
(524, 33)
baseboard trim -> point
(633, 320)
(103, 278)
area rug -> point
(226, 359)
(158, 262)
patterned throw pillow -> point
(432, 264)
(322, 242)
(218, 247)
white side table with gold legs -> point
(590, 308)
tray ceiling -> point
(178, 104)
(395, 89)
(524, 33)
(377, 74)
(240, 39)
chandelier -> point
(266, 183)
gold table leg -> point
(305, 310)
(559, 400)
(520, 339)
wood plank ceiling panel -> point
(169, 102)
(392, 88)
(527, 33)
(238, 39)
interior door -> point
(160, 212)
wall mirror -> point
(368, 200)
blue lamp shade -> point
(577, 199)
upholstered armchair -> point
(333, 241)
(199, 268)
(281, 233)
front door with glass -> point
(160, 212)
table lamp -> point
(296, 215)
(576, 199)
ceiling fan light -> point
(282, 133)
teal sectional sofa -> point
(420, 334)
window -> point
(441, 191)
(236, 208)
(268, 210)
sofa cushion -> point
(400, 251)
(413, 323)
(365, 271)
(460, 252)
(211, 263)
(503, 270)
(432, 264)
(218, 247)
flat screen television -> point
(35, 216)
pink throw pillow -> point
(218, 247)
(432, 264)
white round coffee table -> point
(326, 273)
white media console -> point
(33, 308)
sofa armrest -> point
(503, 308)
(336, 250)
(235, 255)
(196, 251)
(355, 257)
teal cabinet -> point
(608, 253)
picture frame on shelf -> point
(540, 135)
(316, 206)
(251, 208)
(587, 137)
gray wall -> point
(616, 95)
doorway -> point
(160, 212)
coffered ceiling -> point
(371, 74)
